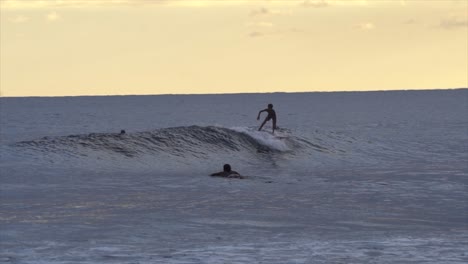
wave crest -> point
(191, 141)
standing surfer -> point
(271, 115)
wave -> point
(173, 147)
(190, 147)
(175, 141)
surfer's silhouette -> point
(271, 115)
(227, 172)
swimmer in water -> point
(227, 173)
(271, 116)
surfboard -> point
(277, 134)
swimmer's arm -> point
(216, 174)
(236, 175)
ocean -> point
(348, 177)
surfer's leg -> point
(264, 121)
(274, 125)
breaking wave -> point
(191, 146)
(193, 141)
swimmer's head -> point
(227, 168)
(270, 106)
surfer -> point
(227, 172)
(271, 115)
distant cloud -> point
(256, 34)
(277, 32)
(264, 24)
(453, 23)
(366, 26)
(260, 12)
(34, 4)
(19, 19)
(52, 17)
(260, 24)
(37, 4)
(315, 3)
(410, 21)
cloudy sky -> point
(100, 47)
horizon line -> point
(234, 93)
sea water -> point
(349, 177)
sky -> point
(118, 47)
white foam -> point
(264, 138)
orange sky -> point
(107, 47)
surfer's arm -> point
(216, 174)
(258, 117)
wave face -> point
(188, 145)
(189, 148)
(193, 141)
